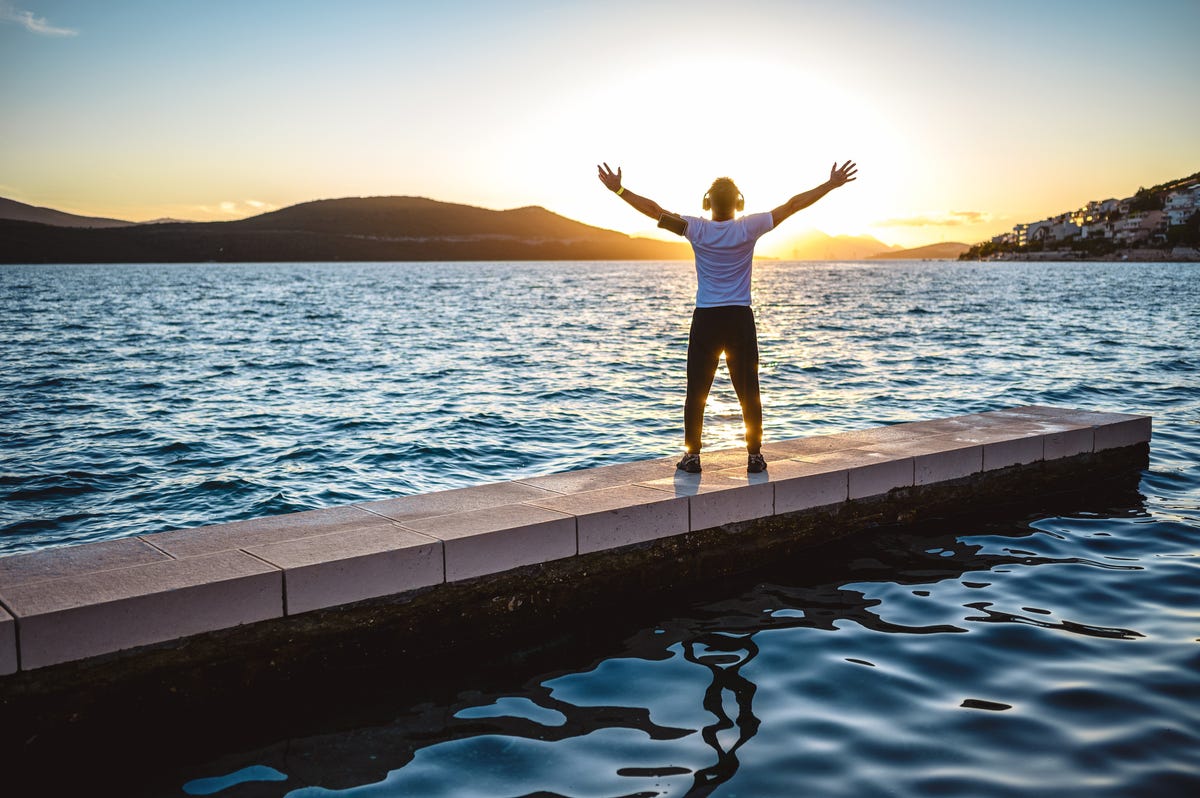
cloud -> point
(938, 219)
(32, 24)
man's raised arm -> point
(837, 177)
(612, 181)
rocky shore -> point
(1178, 254)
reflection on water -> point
(724, 655)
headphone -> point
(739, 205)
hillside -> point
(20, 212)
(946, 250)
(815, 245)
(352, 229)
(406, 217)
(1157, 223)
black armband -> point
(676, 224)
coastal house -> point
(1020, 234)
(1140, 225)
(1039, 231)
(1180, 205)
(1059, 228)
(1064, 230)
(1095, 211)
(1128, 228)
(1099, 229)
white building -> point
(1038, 231)
(1064, 230)
(1097, 230)
(1180, 205)
(1020, 234)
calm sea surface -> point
(1050, 655)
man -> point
(723, 320)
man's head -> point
(723, 198)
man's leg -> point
(704, 353)
(741, 355)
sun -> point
(772, 126)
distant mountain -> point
(418, 217)
(947, 250)
(20, 212)
(351, 229)
(815, 245)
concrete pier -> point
(70, 613)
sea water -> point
(1054, 654)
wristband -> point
(620, 191)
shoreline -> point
(1068, 256)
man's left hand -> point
(840, 177)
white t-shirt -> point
(724, 257)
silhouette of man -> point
(723, 320)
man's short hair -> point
(723, 194)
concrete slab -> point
(908, 431)
(814, 444)
(84, 558)
(1111, 430)
(609, 518)
(261, 531)
(1123, 433)
(1017, 451)
(1063, 417)
(937, 459)
(495, 539)
(968, 422)
(344, 567)
(720, 459)
(458, 500)
(946, 465)
(1069, 443)
(717, 497)
(98, 613)
(589, 479)
(871, 473)
(1005, 444)
(8, 643)
(999, 421)
(1070, 415)
(800, 485)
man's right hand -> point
(610, 179)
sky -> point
(964, 117)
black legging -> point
(731, 330)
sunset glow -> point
(964, 118)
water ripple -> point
(1051, 655)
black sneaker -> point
(755, 464)
(690, 463)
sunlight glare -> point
(779, 135)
